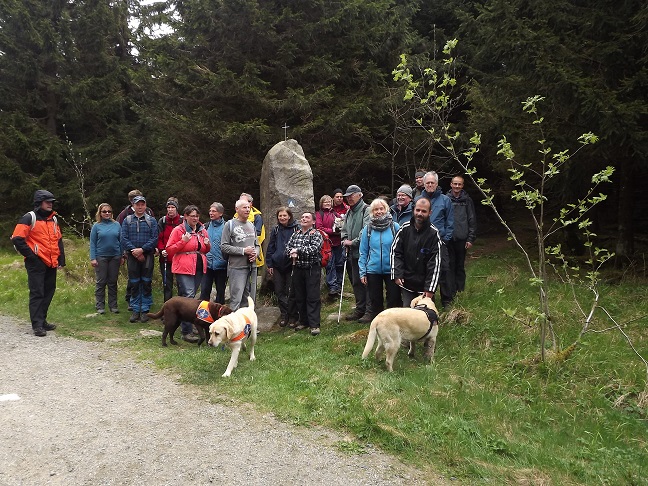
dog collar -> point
(245, 332)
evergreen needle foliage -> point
(484, 412)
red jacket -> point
(186, 254)
(165, 227)
(324, 220)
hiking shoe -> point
(49, 327)
(101, 311)
(300, 327)
(144, 317)
(114, 310)
(190, 338)
(283, 323)
(40, 332)
(130, 308)
(354, 316)
(366, 319)
(135, 316)
(315, 331)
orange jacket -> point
(44, 240)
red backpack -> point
(327, 248)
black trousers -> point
(446, 281)
(306, 282)
(214, 277)
(41, 281)
(457, 251)
(375, 291)
(167, 278)
(285, 292)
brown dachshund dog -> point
(201, 313)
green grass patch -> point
(485, 411)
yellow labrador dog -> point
(234, 329)
(391, 326)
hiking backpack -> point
(327, 248)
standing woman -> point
(325, 220)
(216, 271)
(375, 244)
(187, 246)
(279, 266)
(105, 257)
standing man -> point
(165, 225)
(403, 209)
(442, 217)
(257, 220)
(38, 238)
(127, 211)
(340, 209)
(139, 236)
(357, 218)
(464, 234)
(419, 187)
(239, 242)
(216, 272)
(415, 255)
(304, 247)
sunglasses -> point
(106, 212)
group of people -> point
(391, 252)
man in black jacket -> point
(464, 234)
(415, 255)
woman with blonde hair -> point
(375, 269)
(105, 257)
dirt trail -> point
(86, 414)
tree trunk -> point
(625, 242)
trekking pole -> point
(342, 289)
(164, 272)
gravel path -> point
(80, 413)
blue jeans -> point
(335, 270)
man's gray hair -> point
(432, 174)
(218, 207)
(240, 203)
(247, 196)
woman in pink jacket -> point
(187, 246)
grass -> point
(483, 412)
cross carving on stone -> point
(285, 129)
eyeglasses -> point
(106, 212)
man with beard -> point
(415, 255)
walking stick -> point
(342, 289)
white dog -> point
(234, 329)
(398, 324)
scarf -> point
(381, 223)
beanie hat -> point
(405, 189)
(172, 202)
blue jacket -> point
(442, 215)
(215, 259)
(275, 253)
(374, 250)
(403, 216)
(105, 239)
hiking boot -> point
(283, 322)
(49, 327)
(190, 338)
(300, 327)
(114, 310)
(366, 319)
(315, 331)
(144, 317)
(354, 316)
(40, 332)
(101, 311)
(135, 316)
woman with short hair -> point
(187, 246)
(375, 243)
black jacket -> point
(415, 257)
